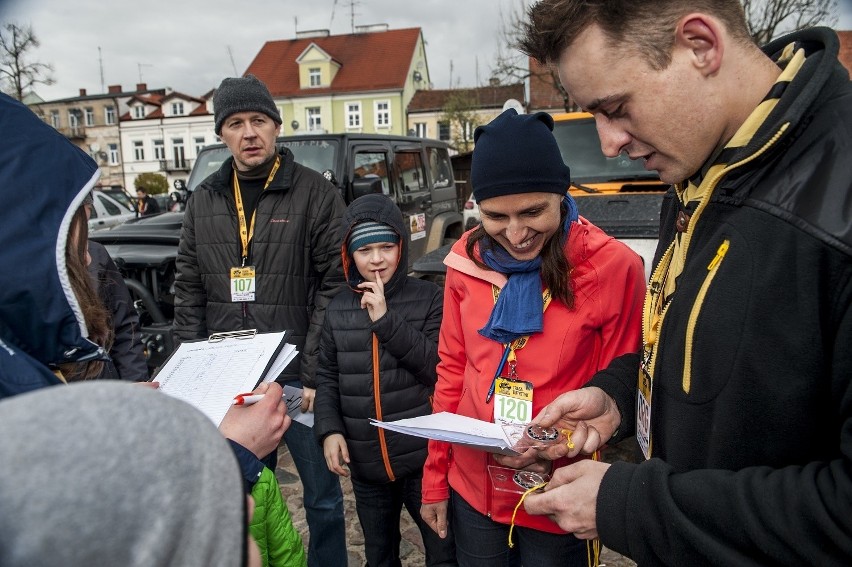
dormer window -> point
(315, 76)
(139, 111)
(177, 109)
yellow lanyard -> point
(246, 234)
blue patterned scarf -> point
(519, 310)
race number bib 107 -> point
(243, 284)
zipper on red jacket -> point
(377, 396)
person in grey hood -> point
(87, 482)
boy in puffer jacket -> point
(377, 359)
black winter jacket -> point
(751, 416)
(295, 252)
(405, 342)
(127, 355)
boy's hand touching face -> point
(373, 299)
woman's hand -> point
(435, 516)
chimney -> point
(82, 92)
(141, 87)
(114, 89)
(494, 82)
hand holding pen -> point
(259, 425)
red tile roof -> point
(486, 97)
(369, 61)
(845, 54)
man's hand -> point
(373, 299)
(570, 498)
(336, 454)
(530, 460)
(435, 516)
(589, 414)
(308, 395)
(258, 427)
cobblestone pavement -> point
(411, 548)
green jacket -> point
(271, 527)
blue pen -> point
(505, 357)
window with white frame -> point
(353, 114)
(179, 153)
(177, 109)
(159, 150)
(199, 143)
(73, 121)
(90, 117)
(381, 110)
(138, 151)
(420, 129)
(313, 118)
(315, 76)
(444, 130)
(113, 154)
(109, 115)
(139, 111)
(54, 118)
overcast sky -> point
(188, 45)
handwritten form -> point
(209, 374)
(454, 428)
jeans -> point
(323, 498)
(482, 542)
(379, 507)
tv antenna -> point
(101, 63)
(139, 66)
(234, 65)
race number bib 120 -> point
(513, 400)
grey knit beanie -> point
(242, 94)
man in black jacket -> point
(256, 252)
(741, 398)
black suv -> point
(415, 172)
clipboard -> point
(209, 373)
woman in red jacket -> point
(536, 300)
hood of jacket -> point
(96, 484)
(44, 181)
(818, 79)
(379, 208)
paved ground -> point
(412, 545)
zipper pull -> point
(720, 253)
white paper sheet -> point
(454, 428)
(293, 399)
(209, 374)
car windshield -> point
(318, 155)
(581, 149)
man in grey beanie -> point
(256, 253)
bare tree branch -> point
(17, 75)
(767, 19)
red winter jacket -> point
(609, 286)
